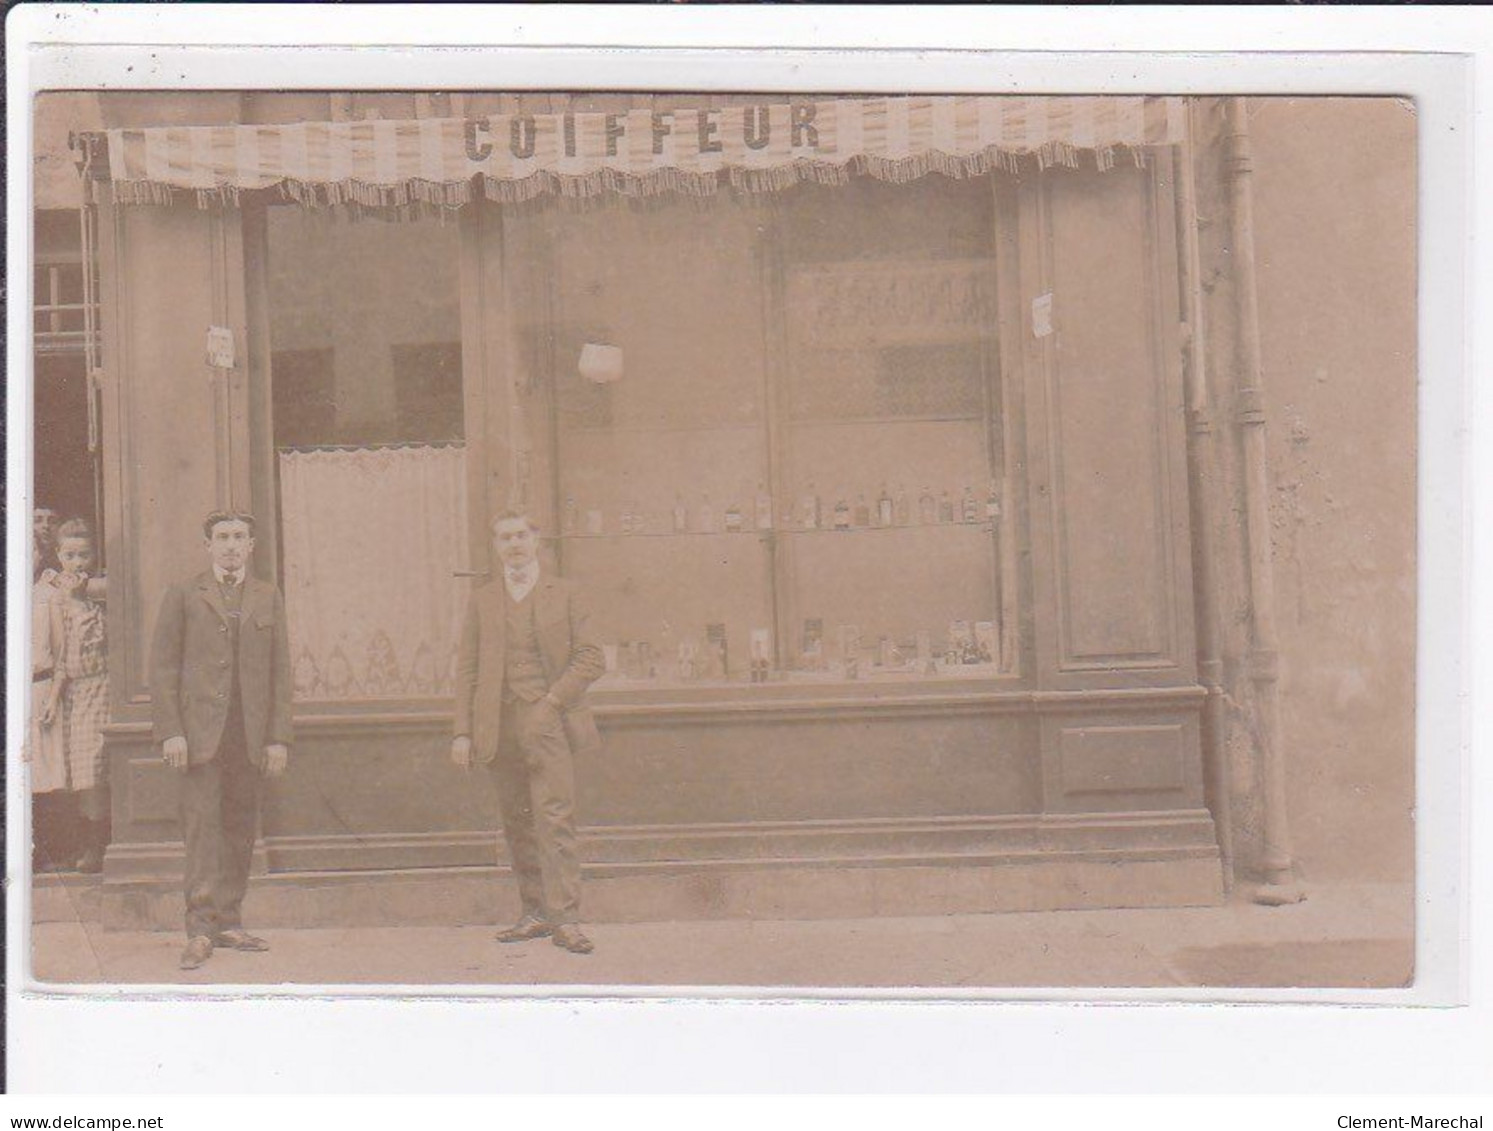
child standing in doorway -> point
(46, 761)
(78, 706)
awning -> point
(641, 152)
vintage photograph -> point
(756, 540)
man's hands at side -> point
(174, 750)
(276, 758)
(461, 751)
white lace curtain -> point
(372, 537)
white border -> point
(48, 47)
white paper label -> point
(220, 347)
(1042, 315)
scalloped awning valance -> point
(449, 162)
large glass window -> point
(659, 471)
(367, 406)
(777, 434)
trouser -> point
(219, 814)
(536, 795)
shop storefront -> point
(860, 421)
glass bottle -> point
(885, 515)
(862, 511)
(810, 509)
(842, 514)
(945, 507)
(927, 508)
(681, 515)
(969, 510)
(572, 516)
(993, 503)
(733, 519)
(901, 511)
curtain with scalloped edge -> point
(448, 162)
(372, 540)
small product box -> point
(987, 643)
(850, 650)
(925, 652)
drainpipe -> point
(1280, 884)
(1201, 460)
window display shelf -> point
(905, 676)
(986, 527)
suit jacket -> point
(191, 668)
(571, 662)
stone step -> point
(861, 888)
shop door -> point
(1106, 447)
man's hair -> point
(513, 514)
(72, 528)
(217, 517)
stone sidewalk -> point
(1342, 936)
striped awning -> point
(641, 152)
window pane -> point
(893, 425)
(377, 304)
(366, 380)
(678, 291)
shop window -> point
(305, 397)
(797, 474)
(366, 383)
(427, 391)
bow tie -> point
(230, 579)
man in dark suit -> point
(220, 688)
(524, 666)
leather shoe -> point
(529, 927)
(568, 936)
(236, 938)
(199, 950)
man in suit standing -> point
(220, 688)
(524, 665)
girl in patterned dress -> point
(79, 701)
(51, 804)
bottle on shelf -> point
(945, 507)
(733, 519)
(761, 651)
(707, 514)
(927, 508)
(764, 508)
(570, 522)
(969, 510)
(718, 665)
(993, 503)
(681, 515)
(813, 644)
(901, 510)
(842, 514)
(809, 509)
(885, 512)
(625, 520)
(862, 511)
